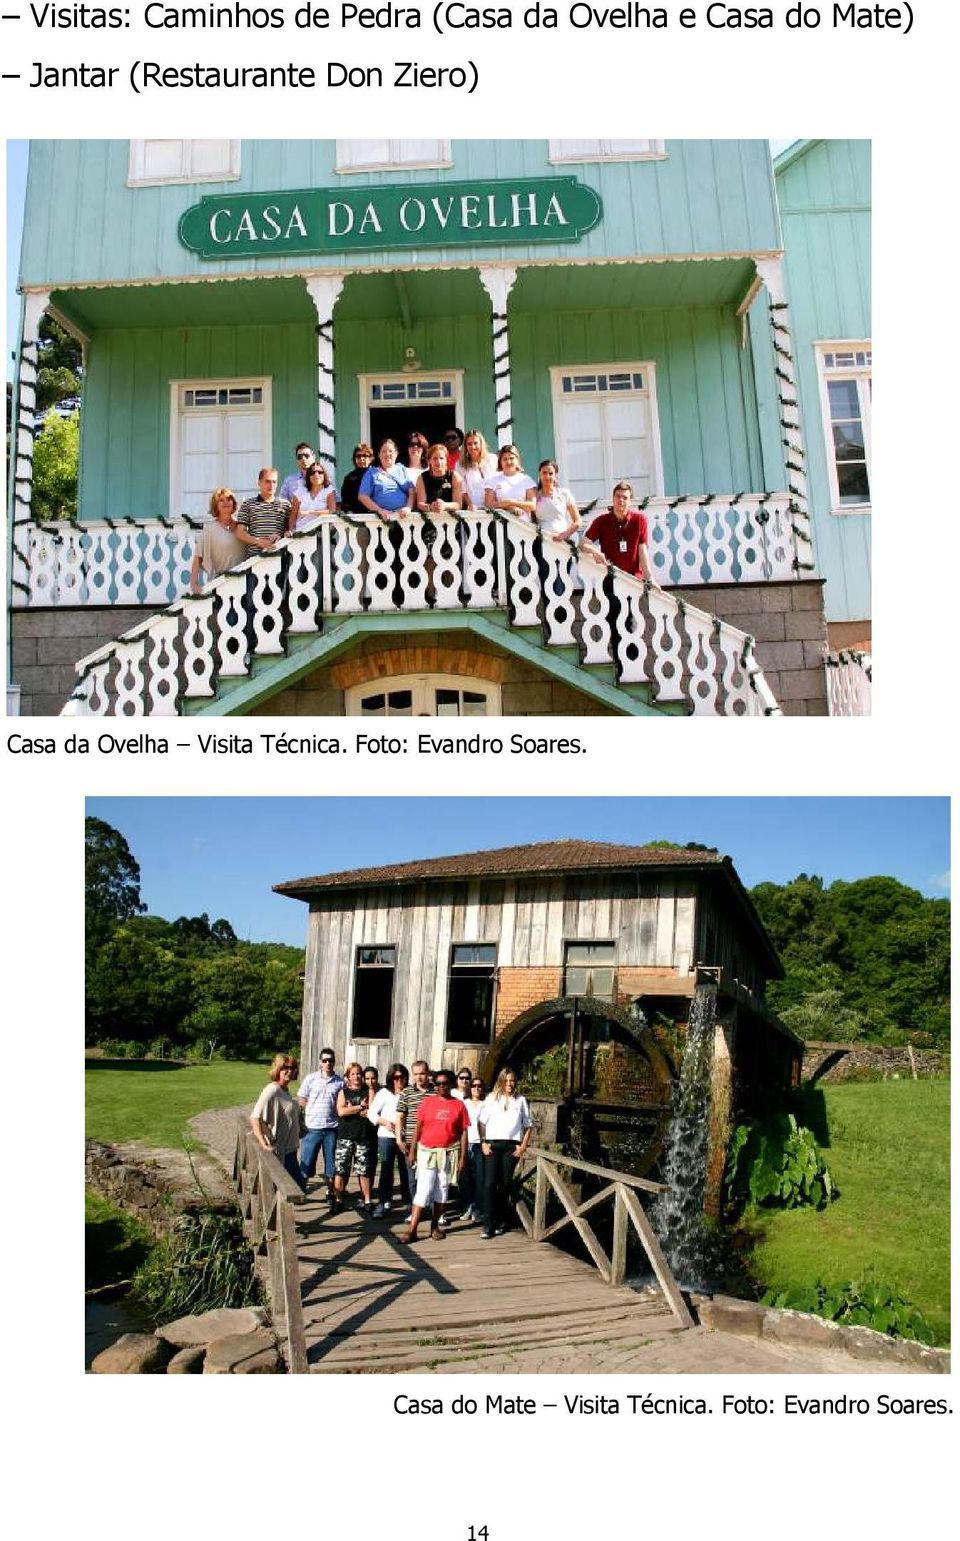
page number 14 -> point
(478, 1533)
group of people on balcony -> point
(458, 474)
(453, 1147)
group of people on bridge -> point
(453, 1148)
(453, 476)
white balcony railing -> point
(849, 683)
(453, 563)
(745, 538)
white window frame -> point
(421, 686)
(137, 176)
(858, 372)
(559, 156)
(262, 382)
(649, 372)
(348, 165)
(366, 382)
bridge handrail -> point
(267, 1194)
(627, 1211)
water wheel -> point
(598, 1084)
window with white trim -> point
(606, 429)
(846, 392)
(423, 695)
(220, 436)
(157, 161)
(606, 150)
(391, 154)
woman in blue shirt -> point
(388, 488)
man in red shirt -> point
(619, 537)
(439, 1153)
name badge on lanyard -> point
(623, 545)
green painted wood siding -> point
(825, 212)
(83, 223)
(705, 391)
(125, 446)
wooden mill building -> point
(574, 961)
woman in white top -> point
(510, 487)
(556, 513)
(275, 1120)
(505, 1125)
(318, 497)
(383, 1114)
(472, 1185)
(476, 466)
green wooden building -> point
(617, 304)
(823, 187)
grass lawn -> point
(887, 1145)
(151, 1100)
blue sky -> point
(222, 855)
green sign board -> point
(321, 220)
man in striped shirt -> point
(408, 1103)
(262, 520)
(317, 1097)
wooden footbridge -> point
(349, 1297)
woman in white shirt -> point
(383, 1115)
(318, 497)
(476, 466)
(510, 488)
(505, 1126)
(555, 512)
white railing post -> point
(324, 290)
(498, 282)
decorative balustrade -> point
(110, 562)
(849, 683)
(734, 538)
(727, 538)
(451, 562)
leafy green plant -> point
(862, 1302)
(202, 1264)
(777, 1164)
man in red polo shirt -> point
(440, 1153)
(619, 536)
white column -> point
(770, 273)
(324, 290)
(34, 305)
(498, 282)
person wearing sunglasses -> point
(362, 461)
(275, 1119)
(439, 1154)
(318, 1101)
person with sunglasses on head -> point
(318, 1101)
(439, 1154)
(349, 491)
(383, 1116)
(275, 1119)
(505, 1126)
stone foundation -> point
(45, 646)
(788, 623)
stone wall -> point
(788, 623)
(45, 646)
(853, 1061)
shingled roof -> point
(548, 856)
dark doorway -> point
(400, 422)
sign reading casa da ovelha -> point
(591, 422)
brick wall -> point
(521, 988)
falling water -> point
(677, 1216)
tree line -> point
(868, 959)
(170, 987)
